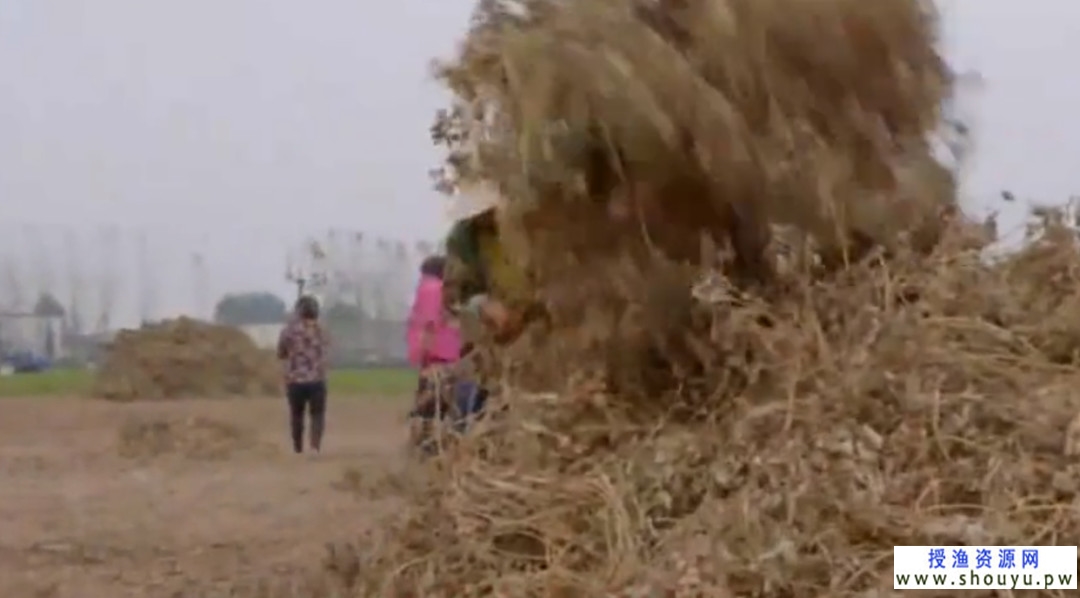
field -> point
(69, 383)
(182, 498)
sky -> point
(232, 129)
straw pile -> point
(804, 438)
(197, 438)
(691, 434)
(185, 358)
(708, 116)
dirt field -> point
(95, 500)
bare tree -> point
(341, 271)
(377, 279)
(199, 285)
(40, 258)
(107, 278)
(147, 281)
(15, 290)
(343, 265)
(402, 272)
(375, 276)
(359, 285)
(309, 269)
(76, 282)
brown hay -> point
(680, 433)
(185, 358)
(714, 117)
(858, 421)
(192, 438)
(374, 482)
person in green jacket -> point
(483, 281)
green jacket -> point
(466, 273)
(478, 264)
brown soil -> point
(181, 498)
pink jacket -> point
(427, 314)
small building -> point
(371, 342)
(265, 336)
(42, 335)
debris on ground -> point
(198, 438)
(185, 358)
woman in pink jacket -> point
(433, 337)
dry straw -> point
(719, 115)
(185, 358)
(722, 439)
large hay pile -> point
(698, 436)
(920, 402)
(185, 358)
(716, 116)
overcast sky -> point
(231, 127)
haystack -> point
(185, 358)
(803, 440)
(691, 435)
(711, 117)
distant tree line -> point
(84, 278)
(359, 338)
(246, 309)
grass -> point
(65, 382)
(373, 382)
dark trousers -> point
(309, 397)
(427, 394)
(471, 399)
(466, 396)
